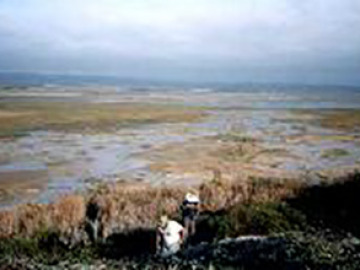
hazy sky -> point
(310, 41)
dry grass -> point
(68, 213)
(19, 117)
(65, 216)
(7, 226)
(127, 206)
(222, 194)
(31, 218)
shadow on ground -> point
(142, 242)
(133, 243)
(334, 206)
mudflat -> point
(21, 185)
(80, 137)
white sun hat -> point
(191, 198)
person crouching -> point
(169, 237)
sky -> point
(307, 41)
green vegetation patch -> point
(257, 218)
(44, 248)
(334, 153)
(348, 120)
(17, 118)
(235, 137)
(323, 250)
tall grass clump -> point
(124, 206)
(220, 193)
(65, 216)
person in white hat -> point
(190, 212)
(169, 237)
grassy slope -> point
(260, 206)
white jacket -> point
(172, 233)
